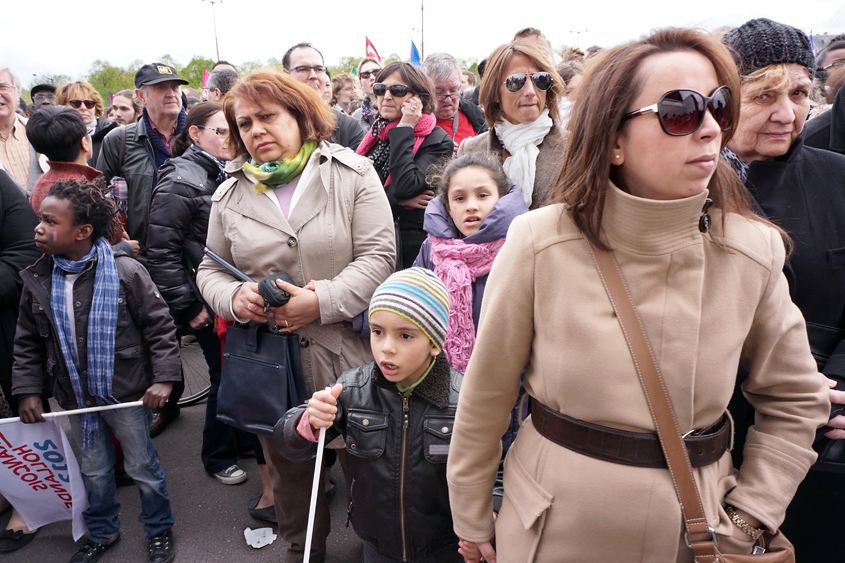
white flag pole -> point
(316, 488)
(79, 411)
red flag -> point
(371, 50)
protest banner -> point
(39, 475)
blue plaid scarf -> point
(102, 322)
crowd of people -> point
(438, 241)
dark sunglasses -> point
(396, 90)
(515, 82)
(681, 111)
(368, 73)
(76, 104)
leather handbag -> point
(775, 547)
(262, 376)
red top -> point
(465, 129)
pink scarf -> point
(424, 126)
(459, 264)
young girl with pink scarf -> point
(466, 226)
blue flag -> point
(415, 55)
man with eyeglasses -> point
(17, 156)
(220, 81)
(305, 64)
(827, 131)
(458, 117)
(43, 95)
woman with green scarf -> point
(295, 203)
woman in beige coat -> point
(317, 211)
(641, 170)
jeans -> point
(131, 426)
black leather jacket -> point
(179, 213)
(397, 450)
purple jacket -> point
(439, 224)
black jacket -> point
(348, 131)
(803, 192)
(474, 115)
(145, 344)
(104, 126)
(389, 491)
(178, 224)
(827, 131)
(138, 170)
(17, 251)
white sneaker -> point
(231, 476)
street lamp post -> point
(578, 36)
(214, 18)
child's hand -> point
(475, 552)
(157, 395)
(322, 407)
(31, 410)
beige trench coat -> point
(340, 234)
(704, 309)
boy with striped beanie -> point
(396, 414)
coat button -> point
(352, 446)
(292, 242)
(304, 344)
(366, 422)
(77, 304)
(40, 308)
(445, 429)
(87, 403)
(85, 372)
(120, 299)
(34, 275)
(80, 340)
(178, 177)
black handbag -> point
(262, 374)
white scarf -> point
(521, 140)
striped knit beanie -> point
(419, 296)
(762, 42)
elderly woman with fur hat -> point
(802, 190)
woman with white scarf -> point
(520, 95)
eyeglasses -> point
(219, 131)
(6, 87)
(681, 111)
(515, 82)
(443, 97)
(76, 104)
(396, 90)
(368, 73)
(307, 69)
(835, 64)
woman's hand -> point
(411, 111)
(837, 422)
(248, 303)
(203, 319)
(302, 309)
(322, 407)
(419, 202)
(475, 552)
(753, 522)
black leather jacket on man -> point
(474, 115)
(397, 450)
(139, 171)
(179, 214)
(827, 131)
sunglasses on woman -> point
(368, 73)
(76, 104)
(396, 90)
(515, 82)
(681, 111)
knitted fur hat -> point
(419, 296)
(762, 42)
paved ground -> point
(210, 517)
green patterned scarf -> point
(271, 175)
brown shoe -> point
(160, 422)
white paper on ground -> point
(260, 537)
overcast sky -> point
(63, 37)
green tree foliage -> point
(105, 78)
(54, 79)
(345, 64)
(193, 72)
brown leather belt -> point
(639, 449)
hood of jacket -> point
(439, 224)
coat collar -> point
(434, 388)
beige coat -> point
(340, 234)
(704, 309)
(548, 161)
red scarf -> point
(426, 125)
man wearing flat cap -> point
(135, 152)
(43, 95)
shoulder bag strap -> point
(677, 458)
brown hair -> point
(606, 94)
(66, 92)
(494, 75)
(419, 82)
(130, 95)
(197, 116)
(315, 119)
(441, 174)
